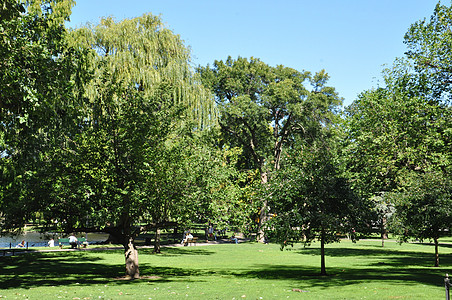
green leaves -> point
(391, 133)
(36, 99)
(429, 46)
(263, 108)
(141, 54)
(311, 200)
(423, 206)
(398, 142)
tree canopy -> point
(36, 99)
(263, 108)
(311, 200)
(429, 45)
(109, 127)
(399, 135)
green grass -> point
(363, 270)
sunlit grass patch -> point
(229, 271)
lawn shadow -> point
(391, 265)
(177, 251)
(175, 273)
(337, 277)
(78, 267)
(55, 269)
(386, 256)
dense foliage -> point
(264, 110)
(399, 136)
(311, 200)
(36, 100)
(109, 128)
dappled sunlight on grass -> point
(364, 269)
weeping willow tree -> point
(141, 97)
(143, 55)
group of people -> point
(73, 241)
(211, 234)
(50, 243)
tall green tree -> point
(311, 200)
(121, 163)
(423, 208)
(423, 204)
(429, 44)
(397, 132)
(262, 108)
(36, 99)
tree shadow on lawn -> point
(387, 257)
(175, 251)
(337, 277)
(49, 269)
(165, 251)
(66, 268)
(58, 269)
(164, 273)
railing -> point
(12, 249)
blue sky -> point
(351, 39)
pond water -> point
(37, 239)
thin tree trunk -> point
(262, 213)
(157, 241)
(322, 253)
(131, 256)
(436, 252)
(383, 231)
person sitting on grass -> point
(234, 238)
(21, 245)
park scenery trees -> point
(117, 163)
(110, 128)
(264, 109)
(399, 135)
(37, 97)
(140, 101)
(311, 200)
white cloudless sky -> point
(351, 39)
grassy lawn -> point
(246, 271)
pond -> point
(37, 239)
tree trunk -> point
(436, 252)
(131, 256)
(262, 213)
(157, 241)
(384, 234)
(114, 239)
(322, 253)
